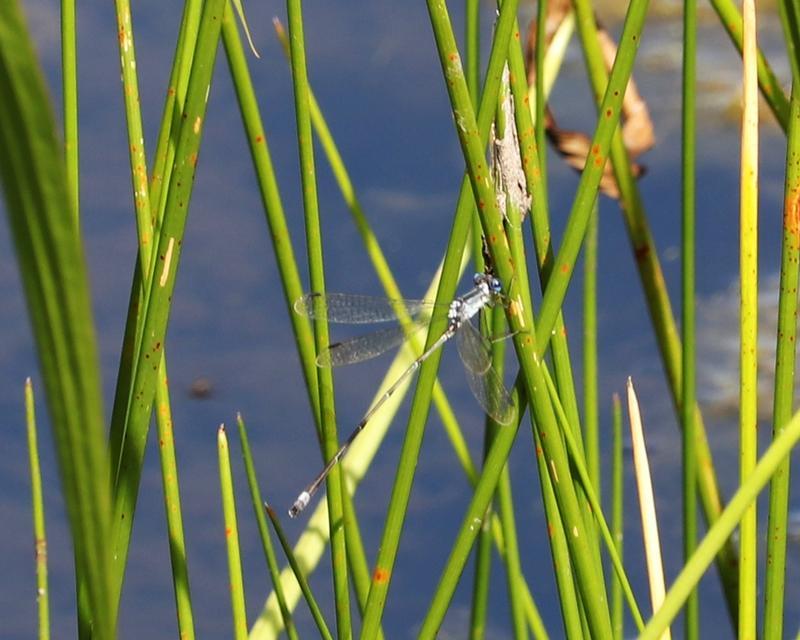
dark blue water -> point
(374, 71)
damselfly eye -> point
(477, 278)
(495, 285)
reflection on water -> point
(718, 349)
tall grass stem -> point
(37, 501)
(748, 355)
(775, 566)
(236, 583)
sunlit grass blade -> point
(722, 528)
(617, 514)
(162, 273)
(691, 617)
(748, 355)
(263, 530)
(37, 500)
(647, 507)
(299, 575)
(54, 277)
(231, 537)
(775, 572)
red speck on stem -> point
(791, 216)
(381, 575)
(565, 268)
(642, 252)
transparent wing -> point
(364, 347)
(351, 308)
(485, 384)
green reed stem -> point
(748, 355)
(356, 556)
(172, 506)
(282, 246)
(37, 501)
(591, 422)
(472, 48)
(516, 244)
(287, 266)
(691, 618)
(540, 226)
(483, 568)
(520, 321)
(145, 225)
(617, 513)
(722, 528)
(273, 207)
(775, 566)
(447, 286)
(69, 90)
(568, 598)
(330, 440)
(471, 523)
(393, 291)
(173, 107)
(263, 530)
(657, 299)
(582, 207)
(789, 13)
(771, 88)
(541, 94)
(162, 273)
(376, 255)
(236, 583)
(483, 549)
(316, 614)
(774, 580)
(594, 502)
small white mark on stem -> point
(167, 261)
(554, 472)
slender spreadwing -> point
(474, 349)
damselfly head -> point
(491, 283)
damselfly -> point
(473, 348)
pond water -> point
(374, 71)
